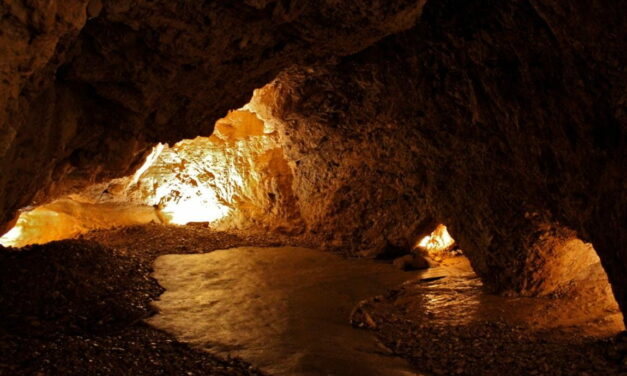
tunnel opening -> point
(256, 175)
(438, 241)
(236, 179)
(438, 245)
(356, 154)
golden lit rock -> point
(66, 218)
(236, 178)
(438, 241)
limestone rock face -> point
(88, 87)
(236, 179)
(357, 181)
(503, 120)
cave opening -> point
(244, 181)
(414, 187)
(236, 179)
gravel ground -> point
(154, 240)
(450, 327)
(76, 307)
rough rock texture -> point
(66, 218)
(238, 178)
(88, 87)
(364, 166)
(356, 178)
(503, 120)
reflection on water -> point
(285, 310)
(452, 295)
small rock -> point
(411, 262)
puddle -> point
(453, 295)
(285, 310)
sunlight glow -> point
(228, 180)
(12, 238)
(438, 240)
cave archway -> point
(503, 120)
(237, 178)
(311, 178)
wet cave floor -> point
(92, 306)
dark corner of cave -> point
(313, 187)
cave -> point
(297, 187)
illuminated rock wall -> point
(87, 87)
(237, 178)
(503, 120)
(67, 218)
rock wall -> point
(236, 179)
(66, 218)
(356, 179)
(503, 120)
(87, 87)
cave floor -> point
(78, 307)
(284, 309)
(445, 324)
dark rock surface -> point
(76, 307)
(85, 91)
(505, 120)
